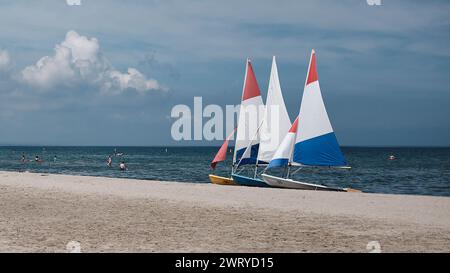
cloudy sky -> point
(109, 72)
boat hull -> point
(248, 181)
(219, 180)
(279, 182)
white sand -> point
(44, 212)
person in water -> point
(109, 162)
(122, 166)
(38, 160)
(24, 159)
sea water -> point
(423, 171)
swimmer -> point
(109, 162)
(122, 166)
(38, 160)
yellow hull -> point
(219, 180)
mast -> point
(243, 90)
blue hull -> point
(248, 181)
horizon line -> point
(196, 146)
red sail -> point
(222, 153)
(251, 88)
(312, 71)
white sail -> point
(250, 116)
(283, 155)
(276, 121)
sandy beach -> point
(42, 213)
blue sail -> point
(247, 160)
(319, 151)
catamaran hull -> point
(248, 181)
(219, 180)
(291, 184)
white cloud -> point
(5, 60)
(133, 79)
(82, 47)
(51, 71)
(78, 60)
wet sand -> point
(42, 213)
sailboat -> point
(221, 156)
(250, 114)
(273, 127)
(311, 141)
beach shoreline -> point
(43, 212)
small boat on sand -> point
(310, 142)
(249, 181)
(275, 181)
(272, 125)
(220, 180)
